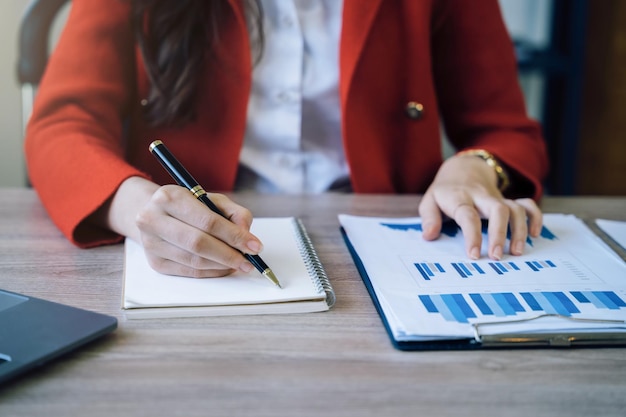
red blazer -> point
(453, 57)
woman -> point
(252, 94)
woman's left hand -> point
(465, 190)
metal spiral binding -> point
(313, 264)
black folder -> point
(580, 331)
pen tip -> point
(270, 275)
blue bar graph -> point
(539, 265)
(504, 304)
(513, 302)
(514, 266)
(481, 304)
(428, 303)
(451, 229)
(495, 268)
(460, 308)
(530, 300)
(459, 270)
(532, 266)
(600, 299)
(467, 269)
(501, 268)
(428, 270)
(497, 309)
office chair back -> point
(34, 36)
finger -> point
(519, 227)
(466, 216)
(169, 267)
(185, 244)
(535, 216)
(234, 212)
(431, 217)
(497, 228)
(178, 203)
(167, 258)
(192, 266)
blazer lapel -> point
(358, 16)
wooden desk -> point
(336, 363)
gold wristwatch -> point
(503, 177)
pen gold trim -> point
(184, 179)
(558, 339)
(197, 191)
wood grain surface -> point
(335, 363)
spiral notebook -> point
(288, 250)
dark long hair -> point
(176, 39)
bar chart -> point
(448, 271)
(428, 270)
(448, 228)
(451, 229)
(461, 308)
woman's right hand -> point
(180, 235)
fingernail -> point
(475, 252)
(518, 248)
(254, 246)
(497, 252)
(246, 267)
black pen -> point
(184, 179)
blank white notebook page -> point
(145, 287)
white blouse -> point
(293, 138)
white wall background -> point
(12, 169)
(526, 19)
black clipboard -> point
(495, 341)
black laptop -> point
(34, 331)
